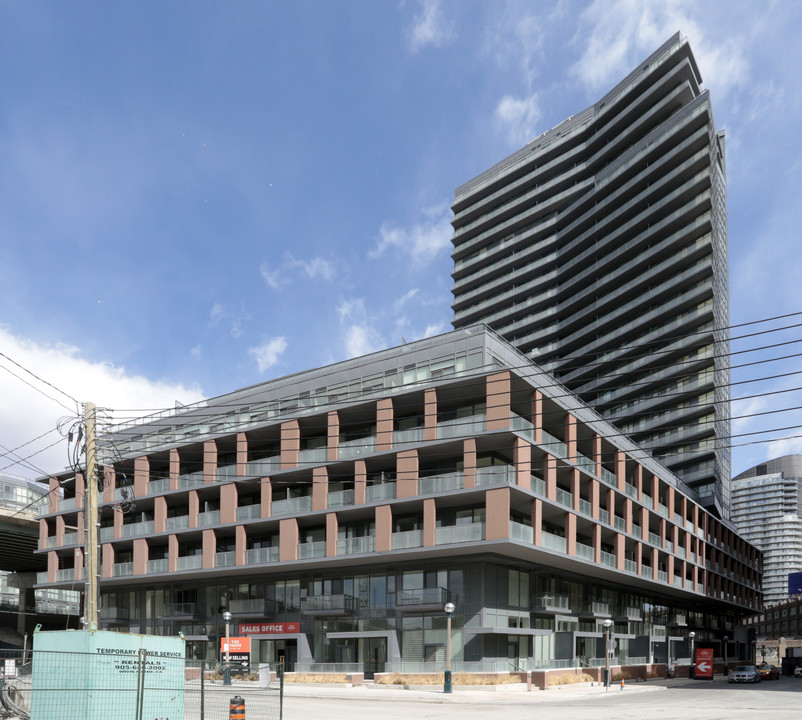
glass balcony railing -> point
(256, 556)
(440, 483)
(190, 480)
(225, 559)
(460, 533)
(356, 545)
(421, 596)
(121, 569)
(495, 475)
(138, 529)
(328, 603)
(655, 539)
(356, 448)
(608, 559)
(264, 466)
(209, 518)
(225, 473)
(604, 516)
(523, 426)
(65, 574)
(156, 487)
(106, 534)
(249, 512)
(406, 539)
(645, 571)
(460, 427)
(410, 436)
(380, 491)
(586, 552)
(521, 532)
(190, 562)
(565, 498)
(312, 550)
(178, 522)
(41, 577)
(292, 505)
(553, 446)
(67, 504)
(70, 538)
(160, 565)
(312, 455)
(340, 498)
(180, 609)
(553, 542)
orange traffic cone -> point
(622, 683)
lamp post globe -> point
(607, 625)
(448, 609)
(691, 636)
(227, 668)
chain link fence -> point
(46, 685)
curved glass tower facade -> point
(600, 250)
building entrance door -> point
(373, 652)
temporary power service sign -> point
(704, 663)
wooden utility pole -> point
(91, 519)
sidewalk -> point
(503, 694)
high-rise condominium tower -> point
(600, 249)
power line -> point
(42, 380)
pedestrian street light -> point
(692, 636)
(227, 667)
(449, 611)
(607, 648)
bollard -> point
(622, 683)
(236, 708)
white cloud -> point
(404, 299)
(434, 329)
(423, 241)
(267, 354)
(271, 277)
(430, 28)
(518, 118)
(618, 34)
(26, 414)
(196, 353)
(362, 340)
(317, 267)
(220, 314)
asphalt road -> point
(658, 700)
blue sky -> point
(197, 196)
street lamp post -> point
(692, 674)
(607, 625)
(227, 666)
(726, 639)
(449, 611)
(763, 653)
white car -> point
(744, 673)
(798, 671)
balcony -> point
(440, 483)
(70, 538)
(523, 426)
(553, 446)
(256, 556)
(328, 605)
(227, 558)
(419, 599)
(190, 562)
(138, 529)
(471, 532)
(181, 610)
(292, 505)
(460, 427)
(249, 512)
(551, 604)
(226, 472)
(554, 542)
(380, 491)
(312, 455)
(252, 606)
(312, 550)
(122, 569)
(521, 532)
(356, 545)
(209, 518)
(264, 466)
(106, 534)
(495, 475)
(159, 565)
(66, 504)
(190, 480)
(340, 498)
(66, 575)
(157, 487)
(406, 539)
(595, 610)
(410, 436)
(178, 522)
(356, 448)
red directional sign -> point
(704, 663)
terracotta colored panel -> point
(384, 528)
(81, 527)
(384, 424)
(407, 474)
(242, 455)
(52, 566)
(621, 470)
(597, 455)
(498, 401)
(331, 534)
(628, 516)
(107, 561)
(172, 553)
(288, 539)
(159, 514)
(619, 547)
(241, 544)
(53, 498)
(209, 461)
(290, 444)
(594, 498)
(208, 548)
(194, 508)
(175, 469)
(570, 533)
(266, 497)
(429, 522)
(320, 488)
(60, 530)
(522, 459)
(141, 476)
(550, 477)
(576, 489)
(537, 521)
(570, 436)
(118, 525)
(229, 499)
(360, 482)
(597, 544)
(537, 415)
(333, 436)
(140, 556)
(497, 514)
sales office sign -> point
(269, 628)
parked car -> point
(798, 671)
(769, 672)
(744, 673)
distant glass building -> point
(766, 510)
(600, 250)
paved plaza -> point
(653, 700)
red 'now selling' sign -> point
(704, 663)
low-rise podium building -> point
(334, 512)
